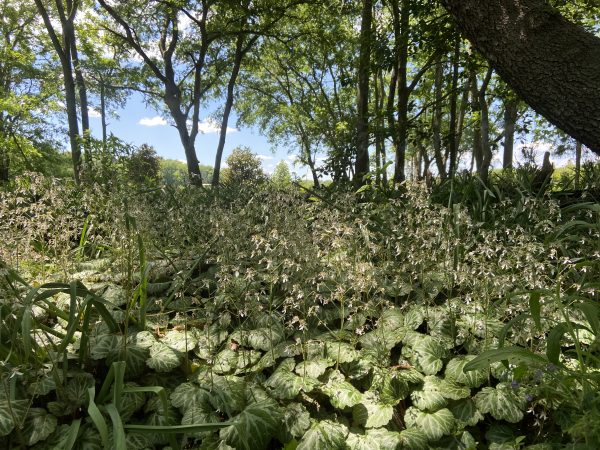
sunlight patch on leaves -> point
(434, 425)
(341, 393)
(371, 413)
(324, 434)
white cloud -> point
(152, 121)
(93, 112)
(211, 126)
(292, 158)
(264, 157)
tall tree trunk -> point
(476, 110)
(103, 114)
(436, 123)
(237, 62)
(378, 91)
(552, 64)
(511, 109)
(81, 88)
(362, 122)
(63, 47)
(4, 162)
(452, 129)
(577, 164)
(403, 90)
(485, 128)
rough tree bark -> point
(551, 63)
(362, 122)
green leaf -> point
(391, 319)
(429, 397)
(434, 425)
(386, 440)
(382, 339)
(261, 338)
(341, 352)
(535, 308)
(465, 412)
(413, 439)
(434, 393)
(247, 360)
(163, 358)
(285, 384)
(313, 368)
(592, 314)
(501, 402)
(361, 442)
(225, 361)
(296, 419)
(43, 386)
(325, 434)
(181, 341)
(341, 393)
(513, 354)
(371, 413)
(188, 395)
(392, 386)
(38, 425)
(254, 427)
(228, 394)
(553, 342)
(455, 372)
(425, 352)
(413, 318)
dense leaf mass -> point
(339, 323)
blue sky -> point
(140, 124)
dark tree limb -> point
(551, 63)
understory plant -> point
(259, 318)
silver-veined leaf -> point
(181, 341)
(38, 425)
(386, 440)
(341, 393)
(391, 386)
(455, 372)
(501, 402)
(228, 394)
(254, 427)
(361, 442)
(285, 384)
(297, 419)
(426, 353)
(188, 395)
(341, 352)
(313, 368)
(413, 439)
(163, 358)
(325, 434)
(371, 413)
(434, 425)
(465, 412)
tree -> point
(281, 176)
(143, 165)
(65, 46)
(362, 102)
(183, 66)
(28, 86)
(551, 63)
(243, 168)
(299, 90)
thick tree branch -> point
(551, 63)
